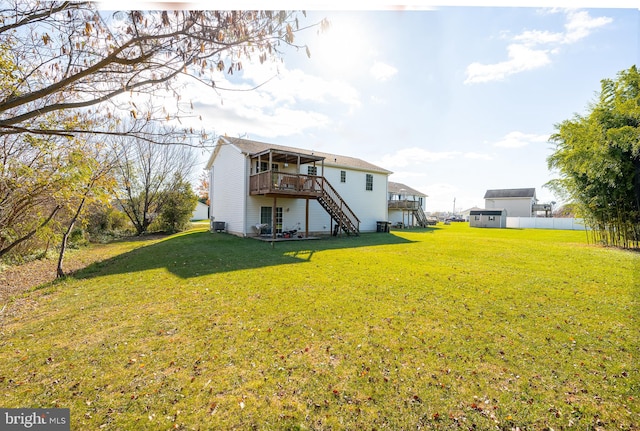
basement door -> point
(266, 218)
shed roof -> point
(250, 147)
(394, 187)
(510, 193)
(492, 212)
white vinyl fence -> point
(546, 223)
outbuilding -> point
(488, 218)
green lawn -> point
(443, 328)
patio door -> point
(266, 218)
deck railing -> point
(283, 182)
(403, 205)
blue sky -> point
(453, 100)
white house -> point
(517, 202)
(261, 188)
(406, 205)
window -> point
(492, 218)
(343, 176)
(312, 170)
(476, 218)
(369, 183)
(263, 166)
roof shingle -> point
(252, 147)
(510, 193)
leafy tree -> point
(203, 187)
(92, 179)
(144, 172)
(63, 56)
(34, 172)
(69, 70)
(179, 203)
(598, 158)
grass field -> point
(442, 328)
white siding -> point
(228, 184)
(516, 207)
(370, 206)
(201, 212)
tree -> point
(93, 166)
(202, 189)
(179, 203)
(61, 56)
(34, 171)
(144, 172)
(598, 158)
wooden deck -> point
(403, 205)
(284, 184)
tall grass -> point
(442, 328)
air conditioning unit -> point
(219, 226)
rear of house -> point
(406, 205)
(261, 188)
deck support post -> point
(306, 219)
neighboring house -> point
(261, 188)
(201, 212)
(406, 205)
(488, 218)
(517, 202)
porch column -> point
(306, 220)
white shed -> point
(201, 212)
(488, 218)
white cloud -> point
(382, 71)
(535, 37)
(271, 101)
(521, 58)
(580, 25)
(519, 140)
(524, 53)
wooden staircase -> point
(337, 208)
(421, 217)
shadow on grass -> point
(197, 253)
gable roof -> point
(510, 193)
(247, 146)
(393, 187)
